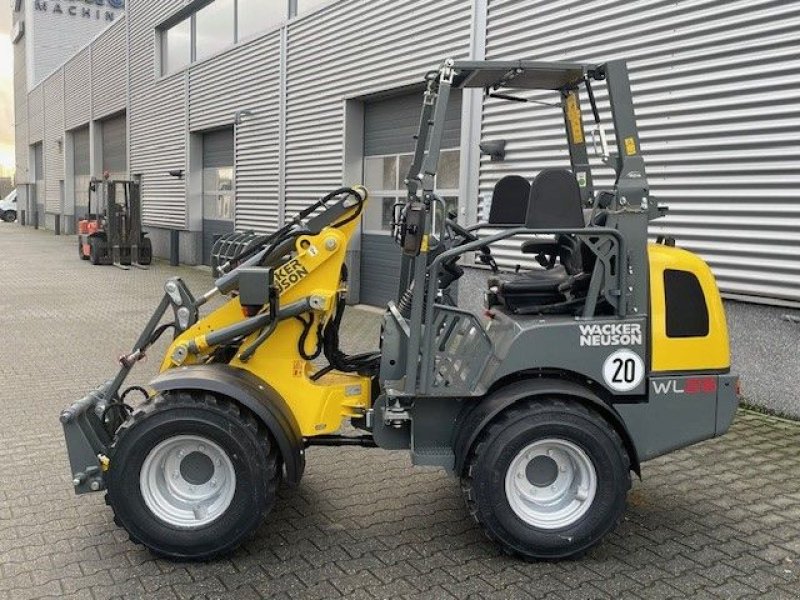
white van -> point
(8, 207)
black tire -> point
(249, 447)
(97, 251)
(10, 216)
(146, 252)
(484, 483)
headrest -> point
(510, 201)
(555, 201)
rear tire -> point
(191, 475)
(146, 252)
(97, 251)
(10, 216)
(547, 479)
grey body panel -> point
(251, 392)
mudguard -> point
(473, 422)
(251, 392)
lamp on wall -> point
(496, 149)
(240, 114)
(176, 173)
(60, 144)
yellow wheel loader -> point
(606, 352)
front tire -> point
(547, 479)
(10, 216)
(191, 475)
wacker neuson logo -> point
(611, 334)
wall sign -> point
(81, 9)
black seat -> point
(554, 203)
(510, 201)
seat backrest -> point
(555, 201)
(510, 201)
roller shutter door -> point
(81, 172)
(390, 124)
(115, 147)
(218, 196)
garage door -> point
(389, 128)
(115, 148)
(217, 188)
(81, 172)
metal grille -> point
(715, 92)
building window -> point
(255, 16)
(306, 6)
(385, 178)
(215, 27)
(687, 313)
(176, 47)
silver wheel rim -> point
(551, 484)
(187, 481)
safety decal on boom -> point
(623, 370)
(289, 274)
(574, 118)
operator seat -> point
(554, 203)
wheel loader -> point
(605, 351)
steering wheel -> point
(457, 231)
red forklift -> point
(113, 235)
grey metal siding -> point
(157, 120)
(21, 111)
(715, 91)
(324, 68)
(36, 114)
(53, 146)
(109, 73)
(218, 148)
(78, 89)
(246, 78)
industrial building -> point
(235, 114)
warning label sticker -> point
(630, 146)
(574, 118)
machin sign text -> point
(82, 9)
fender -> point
(251, 392)
(473, 422)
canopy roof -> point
(522, 74)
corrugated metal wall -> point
(20, 111)
(157, 119)
(53, 146)
(109, 73)
(716, 96)
(245, 79)
(36, 114)
(325, 67)
(78, 89)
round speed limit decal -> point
(623, 370)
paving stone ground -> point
(719, 520)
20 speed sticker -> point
(623, 370)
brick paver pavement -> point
(719, 520)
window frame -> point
(189, 13)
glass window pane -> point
(449, 170)
(304, 6)
(259, 15)
(389, 173)
(373, 173)
(388, 213)
(176, 47)
(214, 26)
(405, 165)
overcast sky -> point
(6, 86)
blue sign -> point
(116, 3)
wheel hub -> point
(551, 483)
(187, 481)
